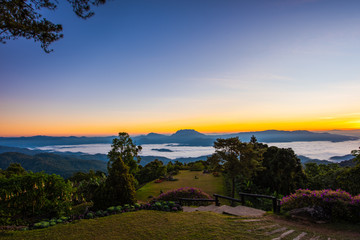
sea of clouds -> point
(322, 150)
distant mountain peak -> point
(187, 133)
(154, 135)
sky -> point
(143, 66)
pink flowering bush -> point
(186, 192)
(338, 204)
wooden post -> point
(274, 200)
(243, 200)
(217, 203)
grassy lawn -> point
(144, 225)
(206, 182)
(182, 225)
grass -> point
(181, 225)
(144, 225)
(206, 182)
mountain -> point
(51, 163)
(191, 137)
(342, 158)
(79, 155)
(305, 159)
(188, 133)
(40, 141)
(292, 136)
(185, 137)
(188, 137)
(4, 149)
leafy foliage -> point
(124, 148)
(22, 18)
(151, 171)
(186, 192)
(239, 159)
(51, 163)
(282, 171)
(23, 197)
(86, 185)
(119, 187)
(339, 204)
(333, 176)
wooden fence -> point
(275, 201)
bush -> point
(81, 208)
(175, 195)
(339, 205)
(25, 197)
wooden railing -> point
(275, 201)
(182, 200)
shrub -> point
(24, 197)
(337, 204)
(81, 208)
(187, 192)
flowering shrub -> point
(186, 192)
(338, 204)
(162, 206)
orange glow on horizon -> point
(207, 127)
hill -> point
(51, 163)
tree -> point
(151, 171)
(214, 162)
(282, 171)
(239, 159)
(120, 184)
(14, 169)
(124, 148)
(22, 18)
(119, 187)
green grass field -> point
(143, 225)
(206, 182)
(179, 225)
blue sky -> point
(216, 66)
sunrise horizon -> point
(228, 66)
(145, 132)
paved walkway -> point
(259, 224)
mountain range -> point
(185, 137)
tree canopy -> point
(124, 148)
(22, 18)
(239, 159)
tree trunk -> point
(233, 188)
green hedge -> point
(25, 197)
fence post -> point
(243, 200)
(274, 200)
(278, 206)
(217, 203)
